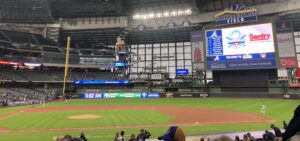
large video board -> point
(245, 47)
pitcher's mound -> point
(85, 116)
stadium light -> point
(150, 16)
(174, 13)
(165, 14)
(158, 15)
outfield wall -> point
(184, 95)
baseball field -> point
(100, 119)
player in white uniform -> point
(263, 108)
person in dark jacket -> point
(174, 133)
(277, 131)
(132, 138)
(143, 135)
(82, 136)
(268, 136)
(293, 126)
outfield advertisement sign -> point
(150, 95)
(121, 95)
(94, 82)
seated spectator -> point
(121, 136)
(268, 136)
(276, 130)
(246, 138)
(174, 133)
(251, 137)
(223, 138)
(202, 139)
(82, 136)
(132, 138)
(293, 126)
(68, 138)
(141, 136)
(116, 136)
(237, 138)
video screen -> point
(244, 47)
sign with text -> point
(197, 50)
(95, 82)
(150, 95)
(286, 50)
(236, 15)
(242, 47)
(121, 95)
(182, 71)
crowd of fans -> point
(46, 75)
(21, 96)
(175, 133)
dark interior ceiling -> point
(79, 8)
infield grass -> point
(278, 110)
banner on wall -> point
(197, 50)
(286, 46)
(284, 26)
(236, 14)
(121, 95)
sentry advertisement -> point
(245, 47)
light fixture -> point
(162, 14)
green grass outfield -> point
(278, 110)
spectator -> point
(65, 138)
(202, 139)
(293, 126)
(268, 136)
(121, 136)
(251, 137)
(237, 138)
(223, 138)
(246, 137)
(116, 136)
(82, 136)
(141, 136)
(174, 133)
(284, 125)
(132, 138)
(278, 134)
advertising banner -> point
(93, 96)
(121, 95)
(150, 95)
(182, 71)
(197, 50)
(92, 82)
(286, 50)
(245, 47)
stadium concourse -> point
(194, 68)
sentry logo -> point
(260, 37)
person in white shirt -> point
(263, 108)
